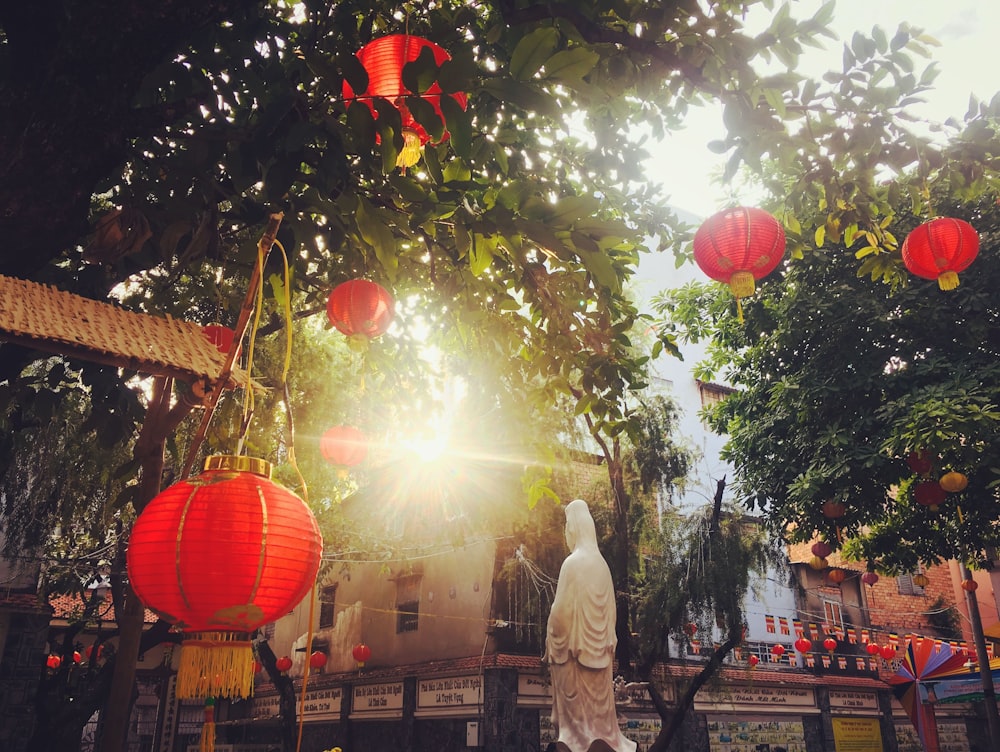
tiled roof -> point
(52, 320)
(68, 607)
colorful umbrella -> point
(924, 661)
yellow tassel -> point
(742, 284)
(207, 741)
(961, 519)
(215, 664)
(409, 155)
(947, 280)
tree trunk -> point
(161, 421)
(672, 724)
(286, 696)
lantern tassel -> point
(215, 664)
(961, 520)
(948, 280)
(207, 741)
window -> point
(906, 586)
(832, 612)
(327, 606)
(407, 603)
(712, 394)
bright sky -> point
(966, 29)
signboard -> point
(643, 730)
(844, 700)
(757, 699)
(450, 692)
(857, 735)
(377, 699)
(320, 705)
(755, 735)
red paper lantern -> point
(929, 493)
(830, 644)
(869, 578)
(343, 446)
(833, 510)
(361, 653)
(220, 336)
(778, 650)
(753, 660)
(258, 667)
(360, 308)
(383, 60)
(920, 462)
(77, 657)
(970, 586)
(53, 661)
(218, 556)
(739, 246)
(939, 249)
(837, 576)
(873, 649)
(888, 652)
(283, 663)
(822, 549)
(317, 659)
(88, 651)
(690, 629)
(803, 645)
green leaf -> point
(481, 254)
(376, 234)
(532, 52)
(459, 124)
(571, 65)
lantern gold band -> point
(239, 464)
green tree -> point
(148, 145)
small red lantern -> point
(383, 60)
(837, 576)
(888, 652)
(778, 650)
(920, 462)
(753, 661)
(803, 645)
(53, 661)
(822, 549)
(218, 556)
(220, 336)
(739, 246)
(929, 493)
(833, 510)
(77, 657)
(344, 446)
(258, 667)
(360, 308)
(89, 650)
(690, 629)
(361, 653)
(873, 649)
(939, 249)
(283, 663)
(869, 578)
(830, 644)
(317, 660)
(970, 586)
(953, 482)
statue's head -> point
(579, 525)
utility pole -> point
(985, 675)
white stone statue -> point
(580, 643)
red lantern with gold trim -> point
(384, 59)
(941, 248)
(218, 556)
(361, 653)
(360, 308)
(739, 246)
(343, 446)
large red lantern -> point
(361, 653)
(343, 446)
(739, 246)
(218, 556)
(803, 645)
(383, 60)
(360, 308)
(940, 249)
